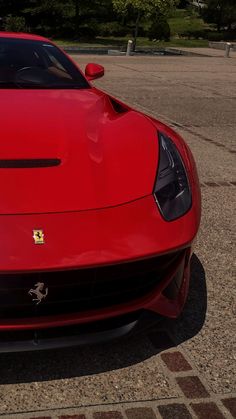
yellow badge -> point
(38, 236)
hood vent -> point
(118, 106)
(28, 163)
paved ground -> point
(191, 371)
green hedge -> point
(160, 30)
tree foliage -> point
(145, 6)
(220, 12)
(76, 18)
(152, 8)
(15, 24)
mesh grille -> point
(83, 289)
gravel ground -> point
(197, 96)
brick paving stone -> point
(161, 340)
(108, 415)
(72, 417)
(207, 411)
(140, 413)
(174, 411)
(192, 387)
(230, 404)
(175, 361)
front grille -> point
(75, 291)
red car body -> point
(95, 206)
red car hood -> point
(107, 158)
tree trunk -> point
(77, 16)
(220, 18)
(136, 30)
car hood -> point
(106, 158)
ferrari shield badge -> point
(38, 236)
(39, 292)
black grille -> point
(83, 289)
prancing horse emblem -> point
(38, 292)
(38, 236)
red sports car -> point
(100, 205)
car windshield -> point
(36, 64)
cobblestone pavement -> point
(188, 369)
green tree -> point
(49, 17)
(66, 17)
(13, 7)
(220, 12)
(14, 24)
(140, 8)
(12, 18)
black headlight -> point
(172, 191)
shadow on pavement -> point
(81, 361)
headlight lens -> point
(172, 191)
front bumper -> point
(94, 240)
(164, 294)
(167, 299)
(73, 330)
(94, 333)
